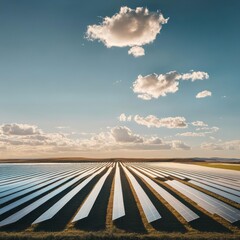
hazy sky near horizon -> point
(119, 78)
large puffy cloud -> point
(124, 134)
(19, 129)
(153, 121)
(204, 94)
(129, 27)
(15, 134)
(155, 86)
(227, 145)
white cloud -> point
(208, 129)
(19, 129)
(155, 86)
(121, 137)
(228, 145)
(199, 124)
(153, 121)
(124, 134)
(191, 134)
(116, 138)
(136, 51)
(204, 94)
(62, 127)
(180, 145)
(15, 134)
(193, 76)
(205, 130)
(128, 28)
(124, 118)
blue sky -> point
(51, 75)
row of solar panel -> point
(38, 190)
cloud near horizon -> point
(121, 137)
(227, 145)
(116, 138)
(205, 131)
(128, 28)
(155, 86)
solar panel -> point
(146, 171)
(64, 200)
(22, 179)
(184, 211)
(149, 209)
(213, 181)
(215, 185)
(118, 204)
(155, 172)
(217, 191)
(90, 200)
(30, 184)
(37, 193)
(23, 212)
(32, 187)
(207, 202)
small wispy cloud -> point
(136, 51)
(232, 145)
(62, 127)
(204, 94)
(153, 121)
(199, 124)
(201, 132)
(117, 82)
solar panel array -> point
(25, 188)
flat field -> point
(118, 200)
(231, 166)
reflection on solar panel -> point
(149, 209)
(207, 202)
(63, 201)
(219, 192)
(38, 193)
(118, 204)
(151, 171)
(23, 212)
(89, 202)
(184, 211)
(147, 172)
(212, 182)
(31, 188)
(31, 182)
(216, 185)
